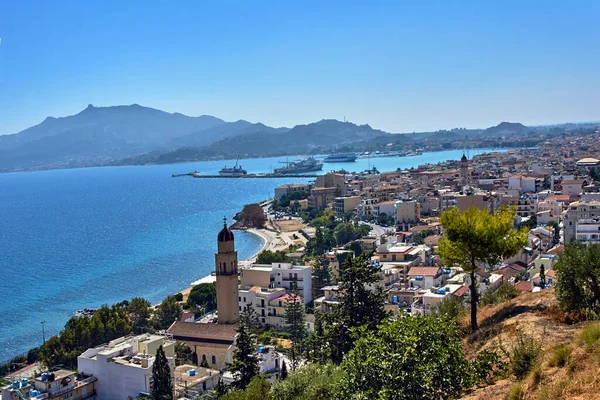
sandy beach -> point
(275, 237)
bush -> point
(516, 393)
(523, 355)
(590, 336)
(561, 356)
(310, 382)
(179, 297)
(504, 292)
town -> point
(388, 233)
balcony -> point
(288, 279)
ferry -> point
(236, 170)
(307, 164)
(344, 157)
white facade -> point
(284, 274)
(124, 366)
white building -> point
(124, 366)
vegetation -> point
(427, 346)
(203, 296)
(288, 200)
(504, 292)
(561, 356)
(590, 336)
(269, 257)
(166, 313)
(294, 324)
(252, 215)
(452, 308)
(310, 382)
(245, 361)
(258, 388)
(476, 238)
(81, 333)
(162, 385)
(139, 314)
(419, 237)
(578, 279)
(358, 305)
(523, 355)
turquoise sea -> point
(80, 238)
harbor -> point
(245, 176)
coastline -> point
(269, 239)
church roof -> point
(192, 330)
(225, 235)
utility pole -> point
(43, 332)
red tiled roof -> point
(197, 330)
(424, 271)
(461, 292)
(556, 249)
(524, 286)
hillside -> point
(506, 129)
(568, 366)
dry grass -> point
(569, 366)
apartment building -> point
(343, 205)
(124, 365)
(407, 212)
(581, 221)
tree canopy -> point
(578, 279)
(162, 384)
(253, 215)
(166, 313)
(475, 238)
(204, 296)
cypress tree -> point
(542, 276)
(294, 324)
(284, 372)
(162, 387)
(245, 361)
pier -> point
(246, 176)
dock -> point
(246, 176)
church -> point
(214, 343)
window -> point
(204, 357)
(244, 299)
(240, 307)
(240, 298)
(263, 320)
(214, 359)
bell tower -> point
(226, 264)
(464, 170)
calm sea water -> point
(71, 239)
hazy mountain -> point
(507, 128)
(221, 131)
(97, 134)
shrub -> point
(523, 355)
(561, 356)
(179, 297)
(590, 336)
(516, 393)
(504, 292)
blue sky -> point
(401, 66)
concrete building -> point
(572, 187)
(288, 189)
(384, 208)
(343, 205)
(332, 180)
(124, 366)
(191, 381)
(407, 212)
(581, 221)
(60, 385)
(265, 287)
(321, 197)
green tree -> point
(320, 275)
(311, 382)
(258, 388)
(294, 324)
(409, 358)
(477, 238)
(284, 372)
(221, 389)
(162, 385)
(578, 279)
(344, 233)
(269, 257)
(245, 361)
(139, 314)
(204, 296)
(358, 305)
(166, 313)
(249, 317)
(543, 276)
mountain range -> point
(138, 135)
